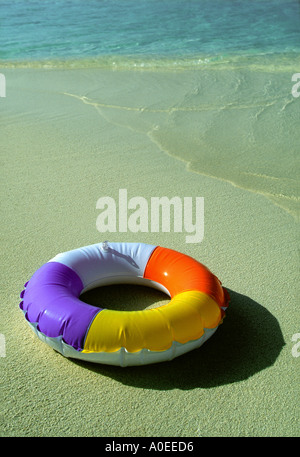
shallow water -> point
(214, 80)
(234, 122)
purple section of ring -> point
(51, 300)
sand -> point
(69, 137)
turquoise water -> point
(35, 30)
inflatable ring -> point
(52, 307)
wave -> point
(274, 62)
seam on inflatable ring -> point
(142, 355)
(152, 253)
(87, 330)
(119, 357)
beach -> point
(72, 135)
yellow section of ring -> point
(183, 319)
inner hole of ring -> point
(125, 297)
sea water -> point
(34, 29)
(216, 84)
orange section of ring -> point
(179, 273)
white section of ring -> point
(99, 262)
